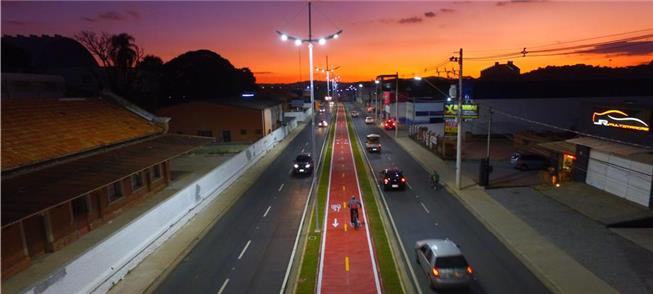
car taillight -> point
(403, 180)
(436, 272)
(470, 270)
(385, 181)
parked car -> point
(303, 164)
(322, 124)
(526, 161)
(373, 143)
(354, 113)
(393, 178)
(369, 120)
(389, 124)
(444, 264)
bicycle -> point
(435, 181)
(355, 221)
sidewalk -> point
(553, 266)
(145, 277)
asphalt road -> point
(420, 212)
(248, 249)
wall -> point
(110, 260)
(189, 118)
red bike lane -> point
(347, 262)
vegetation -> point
(308, 270)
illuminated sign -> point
(470, 110)
(450, 127)
(622, 119)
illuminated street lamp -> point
(310, 40)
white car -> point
(444, 264)
(322, 124)
(369, 120)
(354, 113)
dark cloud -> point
(262, 72)
(504, 3)
(17, 22)
(113, 16)
(447, 10)
(622, 48)
(413, 19)
(429, 14)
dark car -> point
(524, 161)
(392, 178)
(389, 124)
(303, 164)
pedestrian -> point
(354, 204)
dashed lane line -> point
(224, 285)
(266, 211)
(244, 249)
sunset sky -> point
(378, 38)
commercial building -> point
(71, 164)
(233, 120)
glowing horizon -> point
(378, 37)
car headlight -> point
(296, 165)
(308, 165)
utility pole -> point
(327, 75)
(459, 119)
(396, 104)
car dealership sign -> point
(630, 119)
(470, 110)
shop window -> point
(115, 191)
(137, 181)
(80, 206)
(243, 132)
(156, 172)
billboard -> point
(450, 127)
(470, 110)
(622, 118)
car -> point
(331, 103)
(369, 120)
(322, 124)
(370, 109)
(303, 164)
(443, 262)
(373, 143)
(389, 124)
(393, 178)
(354, 113)
(322, 110)
(529, 161)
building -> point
(500, 71)
(71, 164)
(235, 120)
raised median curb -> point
(147, 275)
(559, 272)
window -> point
(259, 131)
(137, 181)
(205, 133)
(115, 191)
(457, 261)
(156, 172)
(243, 132)
(80, 206)
(429, 255)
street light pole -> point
(396, 104)
(459, 120)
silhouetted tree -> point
(148, 86)
(203, 74)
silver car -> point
(369, 120)
(444, 264)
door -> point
(619, 176)
(226, 136)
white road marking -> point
(266, 211)
(424, 206)
(409, 186)
(224, 285)
(281, 187)
(302, 150)
(244, 249)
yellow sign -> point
(469, 110)
(618, 119)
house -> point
(71, 164)
(235, 120)
(500, 71)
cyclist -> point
(435, 179)
(354, 204)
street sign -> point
(470, 110)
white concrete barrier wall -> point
(109, 261)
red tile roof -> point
(37, 130)
(27, 194)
